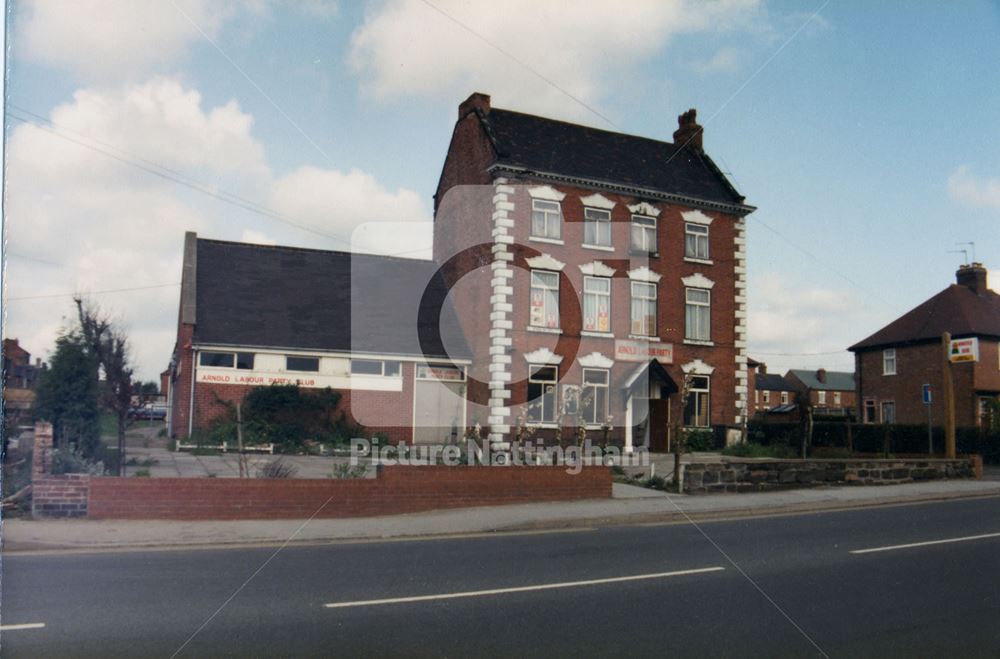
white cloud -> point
(80, 220)
(975, 191)
(725, 60)
(105, 40)
(789, 325)
(353, 205)
(405, 47)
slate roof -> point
(286, 297)
(772, 382)
(956, 309)
(835, 380)
(546, 145)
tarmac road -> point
(774, 586)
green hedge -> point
(872, 438)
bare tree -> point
(109, 345)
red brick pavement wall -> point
(397, 490)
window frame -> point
(821, 397)
(697, 308)
(289, 368)
(597, 223)
(836, 399)
(547, 386)
(887, 405)
(767, 397)
(699, 397)
(598, 413)
(785, 396)
(388, 368)
(597, 295)
(547, 215)
(543, 289)
(869, 411)
(889, 355)
(633, 298)
(236, 358)
(647, 224)
(698, 234)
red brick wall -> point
(398, 490)
(180, 386)
(916, 365)
(60, 496)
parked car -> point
(150, 411)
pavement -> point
(629, 505)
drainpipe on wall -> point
(194, 362)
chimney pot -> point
(476, 101)
(973, 277)
(688, 132)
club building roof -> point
(262, 296)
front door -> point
(438, 406)
(659, 425)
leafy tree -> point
(67, 395)
(109, 347)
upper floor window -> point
(836, 398)
(821, 398)
(889, 361)
(375, 367)
(546, 219)
(644, 234)
(697, 314)
(596, 227)
(305, 364)
(696, 411)
(544, 299)
(784, 398)
(767, 397)
(695, 241)
(240, 360)
(597, 304)
(643, 308)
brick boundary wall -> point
(54, 496)
(764, 474)
(396, 490)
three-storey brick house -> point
(594, 273)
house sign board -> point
(639, 351)
(964, 350)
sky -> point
(866, 134)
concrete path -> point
(631, 505)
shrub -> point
(277, 469)
(141, 473)
(753, 450)
(345, 470)
(699, 440)
(66, 461)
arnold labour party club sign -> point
(640, 351)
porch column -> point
(628, 422)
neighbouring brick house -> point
(894, 363)
(830, 392)
(594, 267)
(256, 315)
(774, 397)
(20, 378)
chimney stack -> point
(821, 375)
(476, 101)
(973, 277)
(688, 131)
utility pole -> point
(949, 398)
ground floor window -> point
(696, 410)
(888, 412)
(594, 396)
(542, 394)
(870, 411)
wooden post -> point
(949, 398)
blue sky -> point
(866, 136)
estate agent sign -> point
(964, 350)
